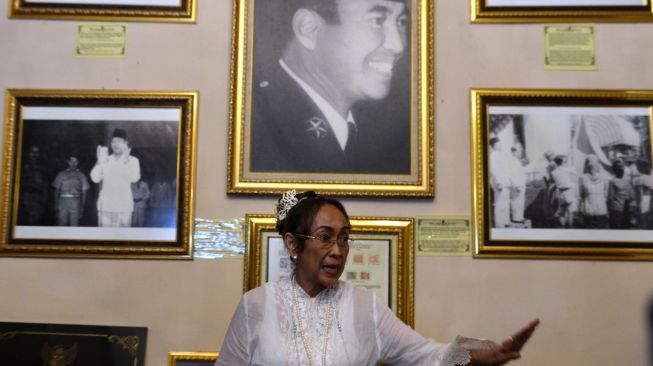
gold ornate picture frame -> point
(177, 11)
(71, 344)
(562, 174)
(80, 165)
(560, 11)
(199, 358)
(381, 258)
(394, 144)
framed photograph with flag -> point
(562, 173)
(565, 11)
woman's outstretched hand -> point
(508, 350)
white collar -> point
(335, 120)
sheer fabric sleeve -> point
(398, 344)
(235, 349)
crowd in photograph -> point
(587, 194)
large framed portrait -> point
(98, 174)
(530, 11)
(23, 344)
(349, 112)
(562, 174)
(179, 11)
(199, 358)
(381, 258)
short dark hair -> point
(279, 14)
(328, 9)
(119, 132)
(300, 218)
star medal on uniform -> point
(316, 128)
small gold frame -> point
(575, 118)
(162, 134)
(185, 12)
(179, 358)
(482, 13)
(397, 231)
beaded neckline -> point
(300, 328)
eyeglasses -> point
(326, 241)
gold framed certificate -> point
(380, 259)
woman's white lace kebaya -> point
(342, 325)
(300, 326)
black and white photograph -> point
(565, 173)
(560, 11)
(178, 11)
(570, 168)
(332, 95)
(562, 2)
(338, 102)
(102, 173)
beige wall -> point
(592, 312)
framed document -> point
(562, 174)
(98, 174)
(67, 344)
(192, 358)
(380, 259)
(362, 128)
(442, 235)
(563, 11)
(180, 11)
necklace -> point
(307, 347)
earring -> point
(294, 257)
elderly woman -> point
(314, 319)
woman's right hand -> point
(508, 350)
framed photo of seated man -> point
(332, 94)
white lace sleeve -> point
(400, 345)
(235, 349)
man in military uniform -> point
(33, 189)
(70, 187)
(304, 116)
